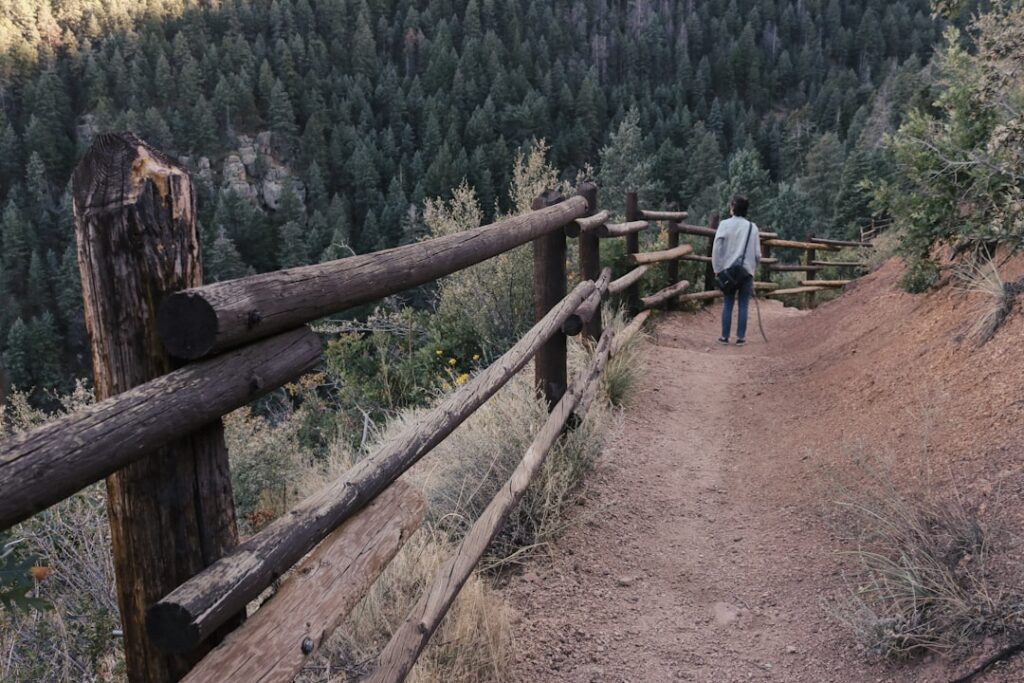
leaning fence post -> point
(590, 256)
(633, 247)
(549, 288)
(171, 514)
(709, 269)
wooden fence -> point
(172, 356)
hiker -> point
(734, 256)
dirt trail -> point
(698, 552)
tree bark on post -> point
(590, 257)
(171, 514)
(809, 257)
(633, 247)
(673, 265)
(709, 271)
(549, 288)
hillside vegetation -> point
(373, 107)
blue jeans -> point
(746, 290)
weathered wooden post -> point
(633, 247)
(549, 288)
(171, 514)
(709, 270)
(590, 257)
(766, 269)
(809, 258)
(673, 265)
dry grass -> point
(920, 572)
(993, 300)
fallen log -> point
(285, 632)
(196, 322)
(46, 465)
(665, 295)
(795, 290)
(825, 283)
(408, 641)
(195, 609)
(790, 244)
(842, 243)
(626, 281)
(664, 215)
(622, 229)
(647, 258)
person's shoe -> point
(723, 340)
(741, 342)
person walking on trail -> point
(734, 257)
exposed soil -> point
(702, 550)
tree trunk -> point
(171, 514)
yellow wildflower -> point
(462, 379)
(439, 352)
(452, 362)
(476, 357)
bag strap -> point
(746, 244)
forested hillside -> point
(373, 106)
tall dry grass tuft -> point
(920, 572)
(993, 299)
(624, 368)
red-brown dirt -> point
(702, 549)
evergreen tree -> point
(224, 261)
(625, 164)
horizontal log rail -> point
(825, 283)
(197, 322)
(649, 257)
(842, 243)
(628, 332)
(622, 229)
(808, 246)
(46, 465)
(284, 632)
(628, 280)
(588, 223)
(702, 231)
(590, 307)
(795, 290)
(665, 295)
(664, 215)
(839, 264)
(188, 615)
(794, 268)
(408, 641)
(695, 258)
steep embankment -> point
(705, 546)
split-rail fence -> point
(172, 356)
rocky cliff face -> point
(254, 171)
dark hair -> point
(740, 204)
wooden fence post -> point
(171, 514)
(809, 257)
(633, 247)
(673, 265)
(590, 257)
(709, 270)
(766, 269)
(549, 288)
